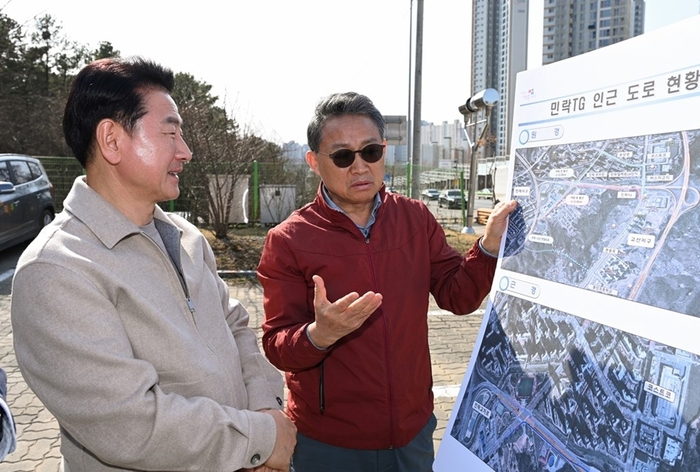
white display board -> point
(588, 357)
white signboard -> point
(588, 358)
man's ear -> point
(108, 140)
(312, 162)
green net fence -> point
(267, 194)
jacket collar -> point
(320, 199)
(104, 220)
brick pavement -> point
(451, 341)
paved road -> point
(452, 339)
(8, 262)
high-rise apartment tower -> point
(573, 27)
(499, 52)
(570, 28)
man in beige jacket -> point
(121, 325)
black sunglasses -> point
(345, 157)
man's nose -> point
(358, 164)
(183, 150)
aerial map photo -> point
(550, 391)
(618, 217)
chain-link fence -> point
(194, 201)
(261, 190)
(62, 171)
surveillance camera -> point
(487, 98)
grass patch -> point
(244, 245)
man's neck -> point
(122, 199)
(359, 214)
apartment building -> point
(573, 27)
(499, 52)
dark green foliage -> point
(36, 70)
(36, 67)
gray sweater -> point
(138, 376)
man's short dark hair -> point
(110, 88)
(340, 104)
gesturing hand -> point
(335, 320)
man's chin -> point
(171, 194)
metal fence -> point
(62, 171)
(194, 203)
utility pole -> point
(409, 130)
(415, 158)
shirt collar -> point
(372, 217)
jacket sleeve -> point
(84, 370)
(458, 283)
(288, 302)
(264, 384)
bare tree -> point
(307, 183)
(222, 153)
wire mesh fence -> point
(62, 172)
(268, 194)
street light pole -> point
(462, 189)
(484, 100)
(409, 130)
(416, 157)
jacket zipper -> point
(180, 276)
(321, 390)
(190, 303)
(386, 350)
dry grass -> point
(242, 249)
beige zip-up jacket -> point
(141, 371)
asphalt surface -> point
(451, 338)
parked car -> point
(26, 199)
(450, 199)
(430, 194)
(486, 193)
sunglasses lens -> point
(372, 152)
(343, 158)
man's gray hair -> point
(340, 104)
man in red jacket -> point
(358, 366)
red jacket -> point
(373, 388)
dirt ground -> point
(242, 249)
